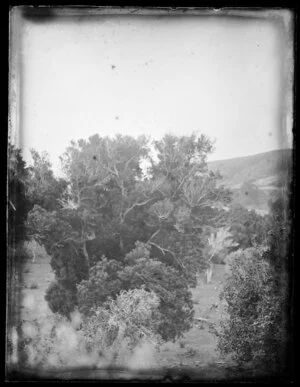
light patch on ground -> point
(267, 181)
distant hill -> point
(255, 179)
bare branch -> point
(164, 251)
(110, 170)
(183, 181)
(153, 235)
(136, 205)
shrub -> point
(121, 325)
(60, 299)
(108, 277)
(103, 282)
(254, 327)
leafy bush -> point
(121, 325)
(108, 277)
(247, 227)
(253, 329)
(60, 299)
(103, 282)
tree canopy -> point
(111, 205)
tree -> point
(18, 206)
(248, 227)
(43, 188)
(112, 205)
(179, 221)
(18, 203)
(257, 298)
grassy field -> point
(198, 346)
(197, 349)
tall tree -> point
(112, 205)
(43, 187)
(18, 202)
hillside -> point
(255, 179)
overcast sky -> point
(137, 75)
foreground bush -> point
(120, 326)
(108, 277)
(254, 328)
(113, 335)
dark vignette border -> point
(45, 14)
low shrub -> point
(60, 299)
(121, 333)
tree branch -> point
(164, 251)
(136, 205)
(153, 235)
(211, 257)
(182, 181)
(110, 170)
(133, 157)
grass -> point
(197, 348)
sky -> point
(152, 75)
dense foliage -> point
(18, 202)
(107, 277)
(43, 188)
(112, 203)
(248, 227)
(128, 231)
(220, 244)
(252, 309)
(120, 325)
(256, 295)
